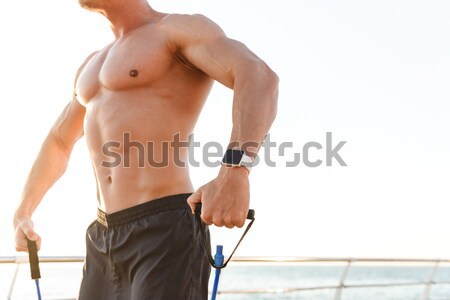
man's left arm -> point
(225, 200)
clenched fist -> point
(225, 200)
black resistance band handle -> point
(198, 210)
(34, 260)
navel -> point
(134, 73)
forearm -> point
(254, 107)
(49, 166)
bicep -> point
(221, 58)
(68, 128)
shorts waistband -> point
(146, 209)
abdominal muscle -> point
(124, 188)
(118, 118)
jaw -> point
(93, 5)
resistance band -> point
(218, 261)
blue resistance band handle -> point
(218, 260)
(198, 211)
(34, 260)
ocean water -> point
(60, 281)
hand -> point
(225, 200)
(23, 227)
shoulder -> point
(194, 20)
(185, 28)
(85, 62)
(81, 67)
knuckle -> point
(206, 217)
(228, 220)
(218, 222)
(240, 223)
(26, 224)
(207, 220)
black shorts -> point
(151, 251)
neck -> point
(128, 16)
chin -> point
(88, 4)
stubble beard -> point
(90, 4)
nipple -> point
(134, 73)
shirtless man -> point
(151, 82)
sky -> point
(373, 73)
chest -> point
(135, 61)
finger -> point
(227, 221)
(21, 244)
(240, 221)
(20, 247)
(218, 220)
(38, 243)
(230, 222)
(20, 241)
(195, 198)
(27, 228)
(206, 215)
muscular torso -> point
(138, 87)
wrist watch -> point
(237, 158)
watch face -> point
(233, 157)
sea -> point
(61, 281)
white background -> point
(375, 73)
